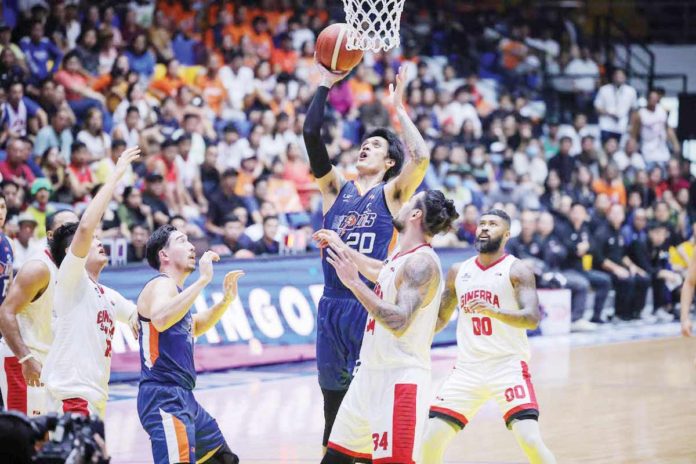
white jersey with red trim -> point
(79, 362)
(36, 321)
(382, 349)
(481, 337)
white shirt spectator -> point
(228, 156)
(623, 161)
(97, 145)
(619, 101)
(22, 253)
(653, 134)
(300, 36)
(460, 112)
(238, 85)
(580, 67)
(567, 130)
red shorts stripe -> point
(528, 380)
(522, 407)
(403, 423)
(449, 412)
(347, 452)
(77, 405)
(16, 385)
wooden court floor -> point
(631, 402)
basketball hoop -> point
(374, 24)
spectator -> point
(611, 255)
(169, 84)
(128, 130)
(563, 163)
(53, 168)
(56, 134)
(153, 197)
(268, 245)
(139, 234)
(649, 125)
(211, 87)
(133, 210)
(611, 185)
(466, 232)
(86, 50)
(103, 168)
(583, 66)
(233, 237)
(25, 244)
(578, 242)
(223, 201)
(15, 168)
(209, 174)
(590, 157)
(614, 103)
(39, 51)
(635, 229)
(630, 158)
(41, 190)
(20, 114)
(98, 142)
(79, 174)
(141, 59)
(284, 58)
(14, 198)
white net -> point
(373, 24)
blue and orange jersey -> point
(167, 357)
(363, 222)
(6, 260)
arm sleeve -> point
(318, 156)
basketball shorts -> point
(180, 429)
(340, 328)
(471, 384)
(383, 416)
(16, 394)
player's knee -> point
(528, 435)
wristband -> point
(26, 358)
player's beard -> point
(398, 225)
(489, 246)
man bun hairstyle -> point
(439, 212)
(62, 238)
(395, 151)
(157, 241)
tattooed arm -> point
(401, 188)
(528, 316)
(449, 299)
(417, 285)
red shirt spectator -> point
(14, 167)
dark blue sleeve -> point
(56, 54)
(32, 106)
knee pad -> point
(223, 456)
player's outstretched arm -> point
(417, 285)
(31, 279)
(167, 306)
(528, 316)
(400, 189)
(202, 322)
(687, 297)
(329, 179)
(449, 298)
(368, 267)
(95, 210)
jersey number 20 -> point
(364, 243)
(482, 325)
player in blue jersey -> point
(361, 213)
(180, 430)
(6, 259)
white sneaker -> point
(583, 325)
(663, 316)
(649, 318)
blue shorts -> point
(340, 329)
(180, 429)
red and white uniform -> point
(384, 412)
(492, 356)
(35, 327)
(76, 373)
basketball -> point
(332, 52)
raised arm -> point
(449, 298)
(400, 189)
(168, 306)
(368, 267)
(687, 297)
(528, 316)
(202, 322)
(417, 284)
(95, 210)
(328, 178)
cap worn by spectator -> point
(41, 183)
(26, 217)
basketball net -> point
(373, 24)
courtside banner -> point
(272, 321)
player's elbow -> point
(533, 320)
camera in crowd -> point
(70, 438)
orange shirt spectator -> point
(614, 189)
(212, 91)
(260, 38)
(514, 53)
(169, 84)
(362, 92)
(284, 58)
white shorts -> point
(383, 416)
(16, 394)
(470, 385)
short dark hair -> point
(269, 218)
(158, 240)
(132, 109)
(394, 152)
(229, 172)
(500, 213)
(62, 238)
(51, 218)
(439, 212)
(77, 146)
(142, 225)
(176, 216)
(231, 218)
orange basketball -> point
(331, 49)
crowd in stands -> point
(215, 92)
